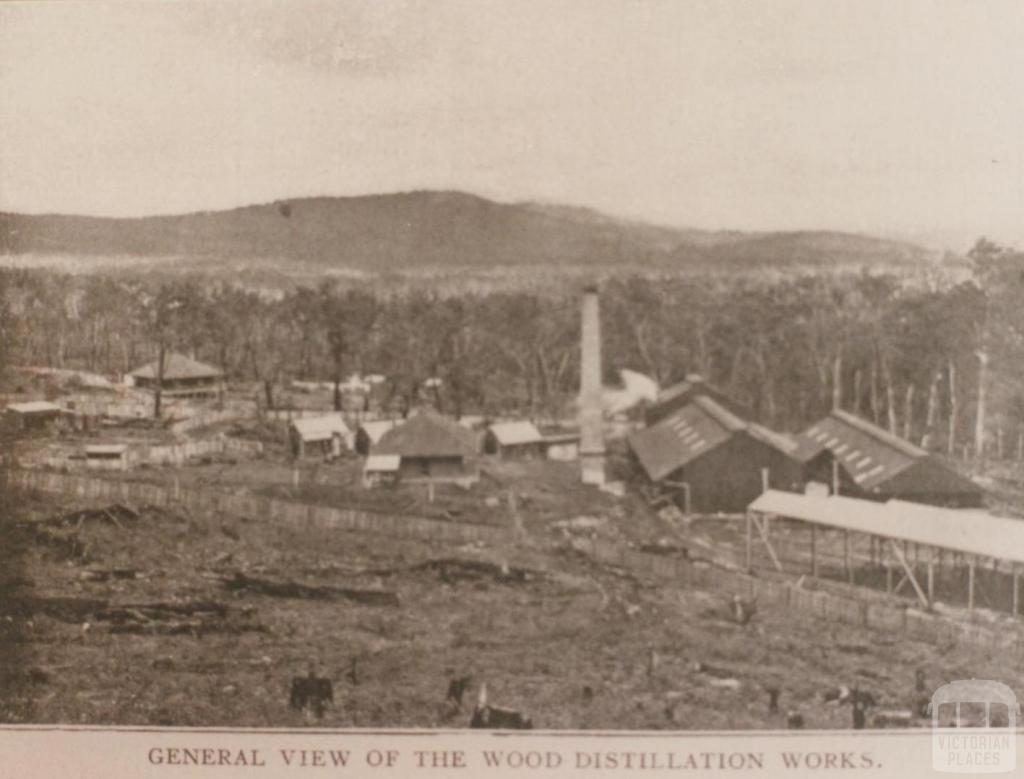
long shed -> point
(713, 460)
(676, 396)
(875, 464)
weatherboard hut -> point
(319, 437)
(514, 440)
(183, 377)
(432, 448)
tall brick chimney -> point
(592, 452)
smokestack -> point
(591, 414)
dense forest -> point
(938, 364)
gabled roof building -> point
(432, 448)
(681, 394)
(874, 463)
(319, 436)
(514, 439)
(718, 456)
(183, 377)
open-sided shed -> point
(919, 541)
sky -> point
(892, 117)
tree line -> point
(936, 363)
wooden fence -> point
(847, 608)
(291, 513)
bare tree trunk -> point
(837, 382)
(954, 408)
(857, 381)
(979, 419)
(874, 391)
(908, 412)
(890, 398)
(932, 414)
(158, 395)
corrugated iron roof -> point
(683, 392)
(694, 429)
(679, 438)
(34, 407)
(321, 428)
(178, 366)
(513, 433)
(428, 435)
(969, 531)
(868, 453)
(781, 441)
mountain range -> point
(432, 229)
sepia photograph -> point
(577, 366)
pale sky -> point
(888, 117)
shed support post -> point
(750, 542)
(835, 477)
(762, 529)
(846, 556)
(764, 480)
(888, 569)
(931, 582)
(970, 585)
(687, 507)
(902, 558)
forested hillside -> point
(789, 347)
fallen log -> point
(161, 611)
(452, 569)
(114, 514)
(106, 574)
(286, 589)
(70, 610)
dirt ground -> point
(124, 619)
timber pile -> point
(174, 618)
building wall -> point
(819, 469)
(563, 452)
(728, 478)
(929, 481)
(434, 468)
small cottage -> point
(514, 439)
(319, 437)
(35, 415)
(432, 448)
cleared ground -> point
(144, 620)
